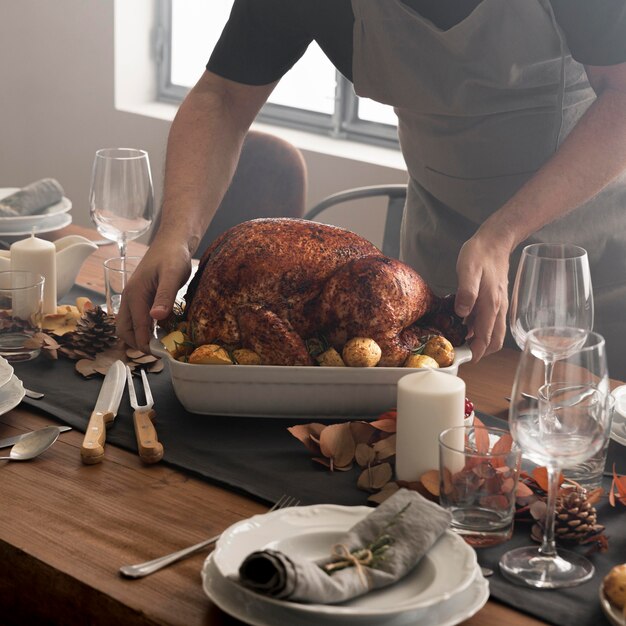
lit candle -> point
(428, 402)
(38, 256)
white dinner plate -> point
(6, 372)
(21, 222)
(246, 606)
(618, 427)
(11, 394)
(310, 531)
(56, 222)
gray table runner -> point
(258, 457)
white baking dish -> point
(277, 391)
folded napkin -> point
(374, 553)
(32, 199)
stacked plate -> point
(11, 388)
(618, 428)
(54, 217)
(445, 588)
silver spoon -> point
(32, 444)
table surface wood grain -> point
(66, 528)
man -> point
(512, 120)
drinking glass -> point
(552, 289)
(121, 196)
(558, 424)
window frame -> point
(344, 123)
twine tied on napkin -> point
(398, 534)
(32, 199)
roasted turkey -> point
(271, 285)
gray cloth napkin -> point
(32, 199)
(413, 523)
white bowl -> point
(279, 391)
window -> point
(312, 96)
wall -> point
(58, 101)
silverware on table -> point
(11, 441)
(149, 448)
(32, 444)
(149, 567)
(92, 450)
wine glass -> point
(557, 425)
(552, 289)
(121, 197)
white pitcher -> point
(71, 254)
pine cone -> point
(95, 332)
(576, 519)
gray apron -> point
(480, 108)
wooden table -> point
(65, 528)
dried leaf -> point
(145, 359)
(133, 354)
(364, 454)
(482, 440)
(387, 491)
(523, 491)
(386, 425)
(392, 414)
(362, 432)
(156, 367)
(322, 461)
(385, 448)
(303, 433)
(540, 474)
(85, 367)
(337, 443)
(374, 477)
(503, 445)
(430, 480)
(618, 488)
(538, 509)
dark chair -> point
(270, 181)
(396, 195)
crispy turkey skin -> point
(271, 284)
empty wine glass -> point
(121, 197)
(552, 289)
(557, 425)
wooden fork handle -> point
(149, 448)
(92, 449)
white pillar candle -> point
(38, 256)
(428, 403)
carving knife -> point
(92, 450)
(11, 441)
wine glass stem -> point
(548, 546)
(548, 371)
(121, 244)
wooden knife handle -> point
(150, 450)
(92, 450)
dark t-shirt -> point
(264, 38)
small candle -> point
(428, 403)
(38, 256)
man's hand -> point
(482, 295)
(151, 291)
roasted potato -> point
(330, 358)
(177, 344)
(243, 356)
(440, 349)
(361, 352)
(212, 354)
(615, 586)
(421, 360)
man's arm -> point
(593, 155)
(202, 153)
